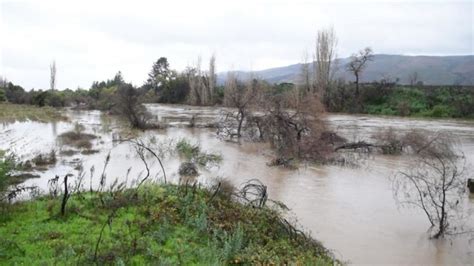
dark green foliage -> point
(392, 99)
(160, 75)
(175, 91)
(283, 87)
(3, 97)
(7, 164)
(16, 94)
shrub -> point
(45, 159)
(403, 108)
(77, 138)
(7, 164)
(193, 153)
(2, 95)
(441, 111)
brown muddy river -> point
(351, 210)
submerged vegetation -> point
(77, 138)
(167, 224)
(18, 112)
(192, 153)
(194, 158)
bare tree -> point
(358, 63)
(52, 80)
(413, 78)
(325, 56)
(212, 79)
(239, 96)
(435, 184)
(303, 85)
(201, 85)
(295, 133)
(3, 82)
(194, 97)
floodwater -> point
(351, 210)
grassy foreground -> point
(158, 224)
(20, 112)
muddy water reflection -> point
(352, 211)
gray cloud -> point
(92, 40)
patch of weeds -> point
(88, 152)
(77, 138)
(68, 152)
(45, 159)
(10, 249)
(289, 163)
(193, 153)
(186, 149)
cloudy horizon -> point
(92, 40)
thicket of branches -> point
(434, 182)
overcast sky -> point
(93, 39)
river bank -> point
(168, 224)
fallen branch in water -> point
(254, 192)
(386, 149)
(355, 146)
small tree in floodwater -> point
(240, 96)
(435, 184)
(129, 105)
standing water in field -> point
(351, 210)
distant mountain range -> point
(431, 70)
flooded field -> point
(351, 210)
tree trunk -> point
(65, 196)
(241, 120)
(357, 86)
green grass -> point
(18, 112)
(165, 225)
(159, 224)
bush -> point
(428, 101)
(441, 111)
(2, 95)
(7, 164)
(77, 138)
(382, 109)
(193, 153)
